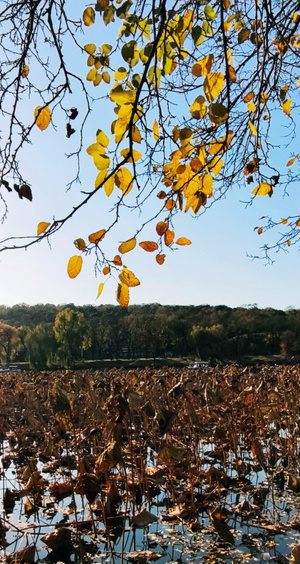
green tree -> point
(8, 342)
(72, 335)
(196, 92)
(40, 346)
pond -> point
(96, 467)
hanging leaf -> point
(155, 130)
(160, 259)
(43, 117)
(169, 237)
(25, 71)
(252, 127)
(183, 241)
(80, 244)
(90, 48)
(100, 289)
(263, 189)
(218, 113)
(121, 96)
(198, 108)
(149, 246)
(88, 16)
(117, 260)
(161, 228)
(127, 246)
(95, 238)
(202, 68)
(127, 277)
(123, 180)
(134, 155)
(42, 226)
(106, 270)
(109, 185)
(100, 177)
(213, 84)
(286, 106)
(123, 295)
(74, 266)
(292, 161)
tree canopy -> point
(198, 95)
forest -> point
(47, 336)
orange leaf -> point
(170, 204)
(183, 241)
(106, 270)
(95, 238)
(74, 266)
(149, 246)
(161, 228)
(169, 237)
(160, 259)
(117, 260)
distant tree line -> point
(49, 335)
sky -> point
(215, 269)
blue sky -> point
(214, 270)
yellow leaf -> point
(102, 138)
(43, 117)
(123, 180)
(155, 130)
(149, 246)
(120, 74)
(101, 162)
(206, 184)
(127, 246)
(74, 266)
(198, 108)
(263, 189)
(215, 165)
(136, 155)
(123, 295)
(100, 177)
(106, 77)
(109, 186)
(286, 106)
(252, 127)
(25, 71)
(100, 288)
(92, 74)
(284, 221)
(127, 277)
(202, 68)
(96, 237)
(213, 84)
(88, 16)
(95, 148)
(251, 107)
(42, 226)
(135, 134)
(121, 96)
(80, 244)
(90, 48)
(183, 241)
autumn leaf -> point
(96, 237)
(117, 260)
(213, 84)
(100, 289)
(149, 246)
(160, 259)
(286, 106)
(161, 227)
(106, 270)
(155, 130)
(218, 113)
(127, 246)
(42, 117)
(74, 266)
(25, 71)
(263, 189)
(252, 128)
(109, 186)
(133, 155)
(121, 96)
(202, 68)
(42, 226)
(123, 180)
(169, 237)
(198, 108)
(292, 161)
(123, 295)
(80, 244)
(88, 16)
(127, 277)
(183, 241)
